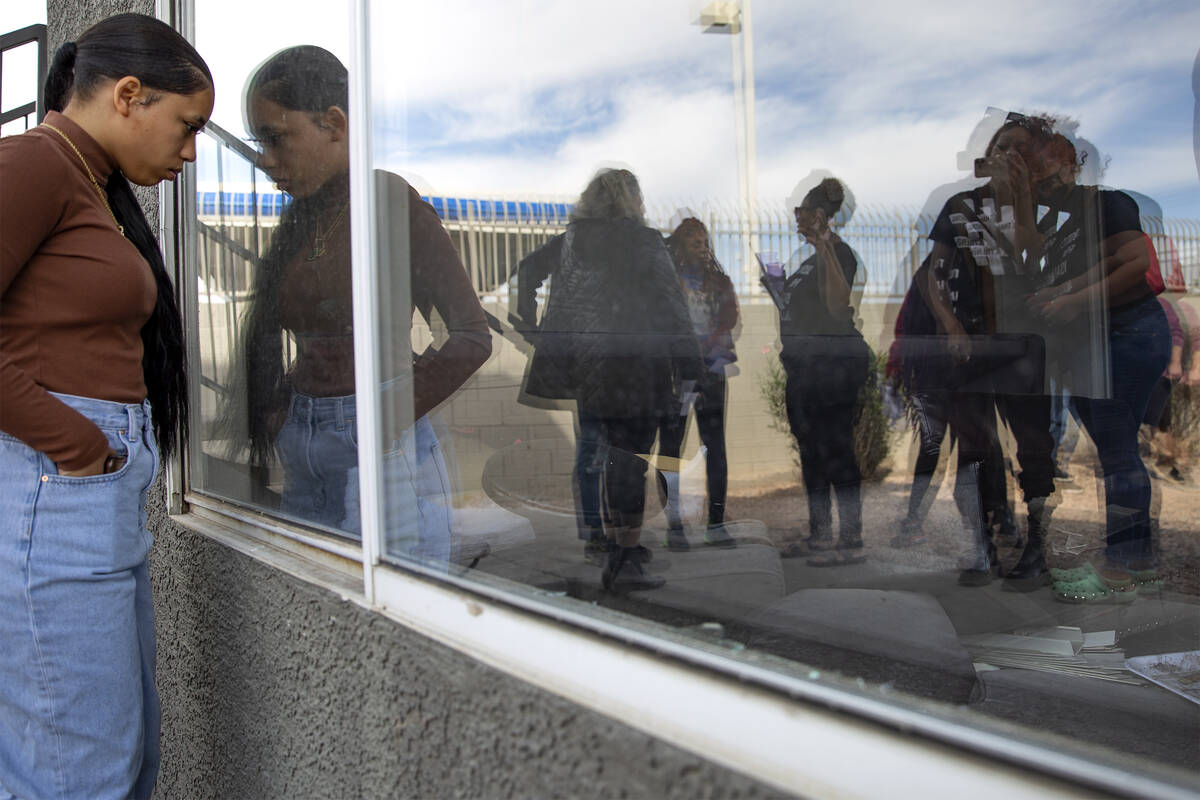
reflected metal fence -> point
(891, 242)
(493, 235)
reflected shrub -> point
(1185, 420)
(872, 433)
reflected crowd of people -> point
(1040, 313)
(1038, 305)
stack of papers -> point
(1062, 649)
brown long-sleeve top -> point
(316, 306)
(74, 294)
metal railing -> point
(891, 242)
(493, 234)
(231, 238)
(34, 34)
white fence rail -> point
(493, 234)
(492, 238)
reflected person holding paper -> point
(827, 363)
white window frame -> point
(800, 735)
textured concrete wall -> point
(65, 20)
(272, 687)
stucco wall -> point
(65, 20)
(273, 687)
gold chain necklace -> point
(318, 245)
(82, 160)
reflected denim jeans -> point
(590, 456)
(1140, 347)
(318, 449)
(79, 712)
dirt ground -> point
(1077, 522)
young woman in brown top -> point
(90, 343)
(303, 410)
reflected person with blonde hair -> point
(614, 337)
(612, 194)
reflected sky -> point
(483, 98)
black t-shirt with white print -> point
(981, 233)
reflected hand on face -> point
(811, 223)
(1007, 170)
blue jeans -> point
(1065, 436)
(318, 449)
(79, 712)
(591, 453)
(1140, 347)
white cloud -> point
(234, 50)
(528, 96)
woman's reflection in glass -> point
(827, 364)
(1096, 255)
(713, 309)
(615, 338)
(301, 406)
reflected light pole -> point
(733, 18)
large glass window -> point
(857, 342)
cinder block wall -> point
(486, 415)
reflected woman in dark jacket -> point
(614, 338)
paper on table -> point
(1177, 672)
(1064, 632)
(1004, 641)
(1099, 639)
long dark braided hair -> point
(710, 267)
(151, 51)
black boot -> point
(1030, 571)
(979, 573)
(977, 568)
(624, 572)
(1004, 528)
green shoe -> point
(1146, 580)
(1071, 573)
(1094, 589)
(717, 536)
